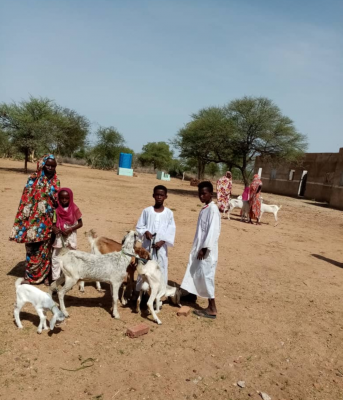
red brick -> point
(137, 330)
(184, 311)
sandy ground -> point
(279, 296)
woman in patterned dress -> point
(224, 188)
(33, 221)
(255, 200)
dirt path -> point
(279, 296)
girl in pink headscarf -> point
(66, 222)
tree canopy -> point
(39, 125)
(238, 132)
(157, 154)
(110, 144)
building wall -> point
(324, 177)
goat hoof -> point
(66, 314)
(159, 322)
(39, 332)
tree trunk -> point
(201, 169)
(244, 176)
(26, 159)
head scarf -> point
(255, 184)
(230, 175)
(34, 217)
(70, 215)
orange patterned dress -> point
(255, 201)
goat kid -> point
(40, 300)
(77, 265)
(154, 284)
(273, 209)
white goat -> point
(40, 300)
(78, 265)
(154, 284)
(239, 203)
(273, 209)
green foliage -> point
(156, 154)
(39, 125)
(105, 154)
(238, 132)
(212, 169)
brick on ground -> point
(184, 311)
(137, 330)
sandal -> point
(204, 314)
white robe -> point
(164, 226)
(199, 276)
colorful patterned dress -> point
(255, 201)
(224, 187)
(33, 222)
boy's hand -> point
(148, 235)
(159, 244)
(202, 254)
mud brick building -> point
(318, 176)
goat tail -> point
(18, 282)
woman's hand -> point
(202, 254)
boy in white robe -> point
(201, 268)
(157, 220)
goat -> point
(103, 245)
(77, 265)
(40, 300)
(239, 203)
(273, 209)
(154, 284)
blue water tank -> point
(125, 160)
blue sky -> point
(145, 66)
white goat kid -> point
(78, 265)
(153, 282)
(40, 300)
(273, 209)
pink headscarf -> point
(69, 216)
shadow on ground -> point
(329, 260)
(18, 270)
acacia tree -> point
(238, 132)
(157, 154)
(109, 145)
(25, 124)
(39, 125)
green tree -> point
(27, 123)
(106, 152)
(238, 132)
(39, 125)
(70, 131)
(157, 154)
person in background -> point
(224, 188)
(255, 199)
(34, 219)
